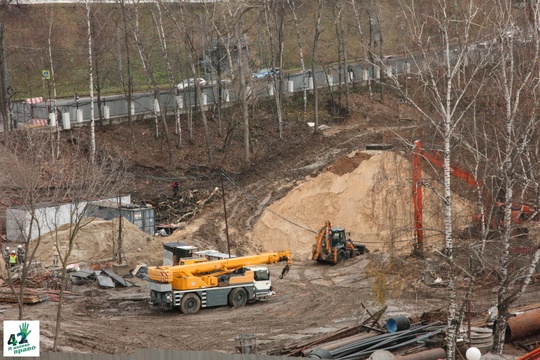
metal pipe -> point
(533, 355)
(524, 324)
(368, 352)
(385, 341)
(331, 345)
(432, 354)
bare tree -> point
(105, 48)
(274, 19)
(4, 103)
(227, 50)
(158, 21)
(52, 102)
(217, 66)
(191, 55)
(126, 80)
(314, 64)
(365, 48)
(345, 59)
(83, 181)
(145, 56)
(91, 82)
(231, 33)
(443, 100)
(515, 75)
(237, 30)
(292, 7)
(23, 182)
(41, 183)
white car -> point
(188, 83)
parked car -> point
(266, 73)
(188, 83)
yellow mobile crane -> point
(233, 281)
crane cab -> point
(261, 280)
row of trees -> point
(150, 46)
(481, 110)
(484, 113)
(34, 177)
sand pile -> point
(98, 240)
(373, 202)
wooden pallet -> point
(29, 296)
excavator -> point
(332, 245)
(193, 285)
(520, 212)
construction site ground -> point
(312, 299)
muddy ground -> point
(311, 301)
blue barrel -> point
(398, 323)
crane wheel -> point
(355, 253)
(238, 297)
(190, 304)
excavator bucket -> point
(285, 271)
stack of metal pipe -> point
(364, 347)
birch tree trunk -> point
(517, 77)
(361, 33)
(158, 20)
(91, 82)
(126, 84)
(314, 65)
(440, 90)
(53, 109)
(345, 60)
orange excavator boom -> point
(438, 161)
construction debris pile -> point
(183, 206)
(106, 278)
(45, 284)
(405, 339)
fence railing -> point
(77, 111)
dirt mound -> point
(98, 240)
(373, 202)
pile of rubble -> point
(44, 284)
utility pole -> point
(4, 80)
(225, 213)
